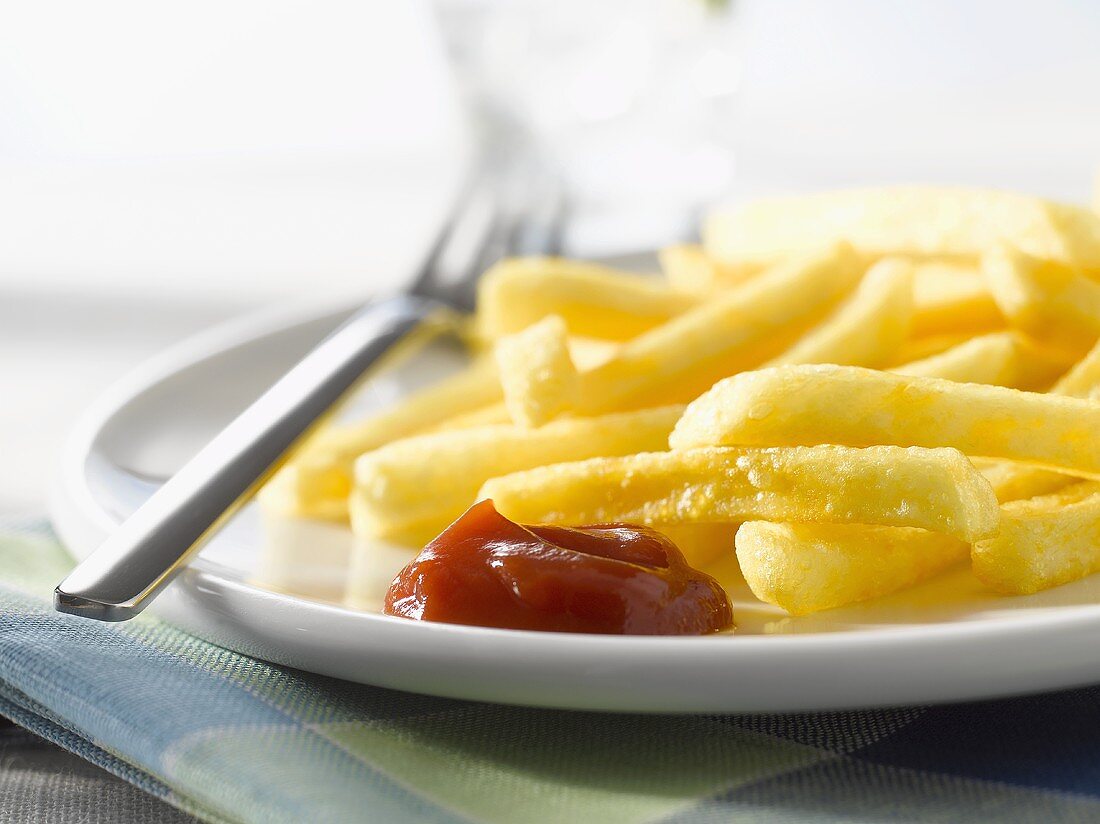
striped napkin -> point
(231, 739)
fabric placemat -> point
(228, 738)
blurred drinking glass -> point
(631, 102)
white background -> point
(163, 166)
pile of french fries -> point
(851, 391)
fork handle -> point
(146, 552)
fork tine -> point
(517, 211)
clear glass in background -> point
(631, 102)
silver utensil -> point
(150, 548)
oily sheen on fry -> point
(804, 568)
(807, 405)
(935, 489)
(414, 487)
(1043, 542)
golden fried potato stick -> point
(494, 413)
(990, 359)
(688, 268)
(416, 486)
(1042, 542)
(728, 333)
(1083, 378)
(1015, 481)
(998, 359)
(316, 482)
(916, 349)
(702, 544)
(537, 374)
(868, 328)
(936, 489)
(594, 301)
(952, 298)
(808, 405)
(1046, 299)
(804, 568)
(917, 221)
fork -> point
(134, 564)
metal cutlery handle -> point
(128, 569)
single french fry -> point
(937, 489)
(594, 301)
(702, 544)
(998, 359)
(804, 568)
(537, 374)
(1042, 542)
(586, 353)
(917, 349)
(1014, 481)
(314, 490)
(868, 327)
(494, 413)
(1043, 298)
(808, 405)
(416, 486)
(688, 268)
(1039, 364)
(989, 359)
(1082, 378)
(917, 221)
(316, 482)
(952, 298)
(731, 332)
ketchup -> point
(618, 579)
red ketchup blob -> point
(617, 579)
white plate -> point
(947, 640)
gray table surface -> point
(43, 784)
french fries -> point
(808, 405)
(1043, 542)
(916, 349)
(410, 489)
(1083, 378)
(935, 489)
(688, 268)
(1044, 298)
(593, 300)
(317, 481)
(867, 328)
(831, 481)
(702, 544)
(804, 568)
(734, 331)
(916, 221)
(537, 374)
(1013, 481)
(990, 359)
(952, 298)
(997, 359)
